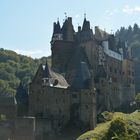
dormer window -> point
(45, 82)
(57, 37)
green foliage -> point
(15, 68)
(120, 127)
(119, 131)
(2, 117)
(137, 98)
(107, 116)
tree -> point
(119, 131)
(137, 98)
(15, 68)
(135, 28)
(3, 87)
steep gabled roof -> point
(100, 34)
(46, 72)
(55, 79)
(86, 25)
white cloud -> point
(127, 9)
(111, 13)
(77, 16)
(30, 53)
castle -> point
(90, 73)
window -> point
(102, 81)
(59, 111)
(74, 96)
(56, 101)
(129, 72)
(37, 99)
(115, 70)
(133, 81)
(86, 106)
(115, 79)
(120, 72)
(63, 101)
(110, 69)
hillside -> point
(16, 68)
(130, 121)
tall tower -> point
(62, 45)
(57, 35)
(67, 30)
(85, 34)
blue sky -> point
(26, 25)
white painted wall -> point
(110, 52)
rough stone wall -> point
(128, 80)
(88, 107)
(43, 128)
(18, 129)
(113, 68)
(101, 95)
(91, 50)
(6, 130)
(9, 110)
(114, 81)
(62, 53)
(24, 129)
(48, 102)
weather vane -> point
(85, 15)
(65, 15)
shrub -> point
(119, 131)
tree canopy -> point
(15, 68)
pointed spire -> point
(56, 28)
(84, 15)
(46, 71)
(86, 24)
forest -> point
(16, 68)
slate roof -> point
(100, 34)
(82, 77)
(55, 79)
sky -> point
(26, 25)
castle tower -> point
(67, 30)
(85, 34)
(86, 25)
(57, 35)
(62, 45)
